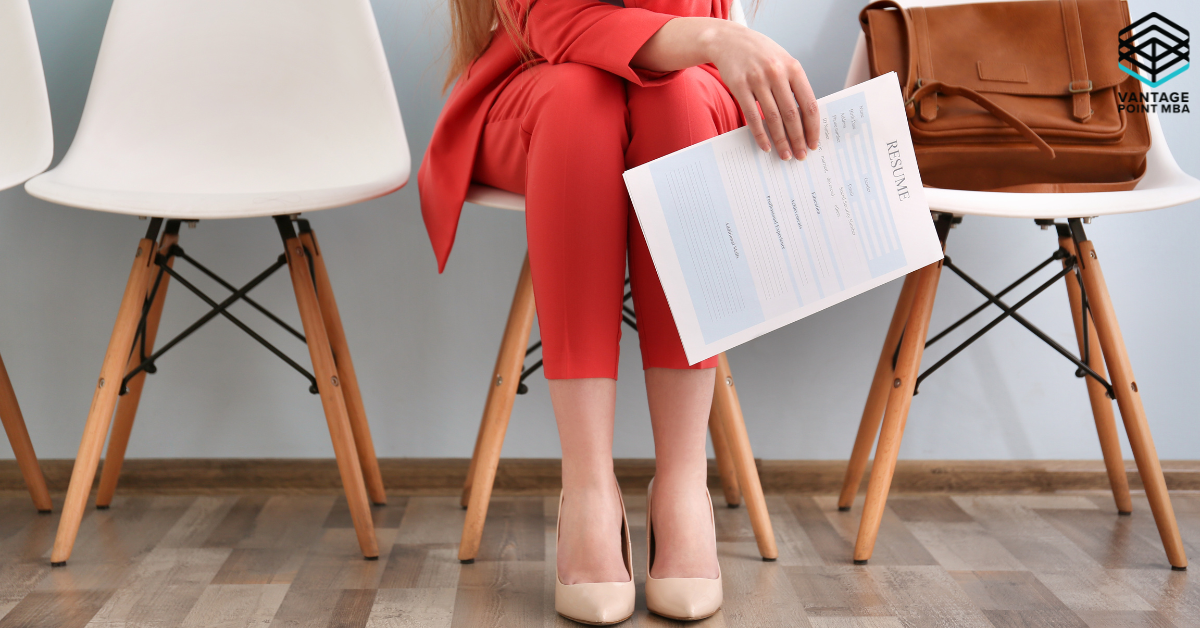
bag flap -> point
(1003, 47)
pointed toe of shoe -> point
(684, 599)
(597, 603)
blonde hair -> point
(472, 23)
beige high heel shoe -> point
(681, 599)
(597, 603)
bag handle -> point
(987, 103)
(914, 92)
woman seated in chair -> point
(554, 99)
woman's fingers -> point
(772, 90)
(778, 104)
(766, 100)
(745, 100)
(781, 92)
(807, 101)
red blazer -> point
(590, 32)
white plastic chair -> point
(26, 147)
(1164, 185)
(731, 443)
(204, 109)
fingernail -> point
(785, 154)
(802, 155)
(766, 149)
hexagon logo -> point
(1156, 49)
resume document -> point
(745, 243)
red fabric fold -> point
(558, 31)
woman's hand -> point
(756, 70)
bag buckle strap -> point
(919, 85)
(1079, 90)
(910, 104)
(1081, 99)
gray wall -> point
(424, 344)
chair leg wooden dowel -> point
(881, 385)
(127, 405)
(1129, 400)
(725, 466)
(22, 446)
(104, 400)
(330, 387)
(502, 391)
(730, 410)
(465, 498)
(345, 369)
(1102, 409)
(908, 365)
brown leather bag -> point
(1014, 96)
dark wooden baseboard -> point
(972, 476)
(518, 475)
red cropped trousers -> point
(562, 135)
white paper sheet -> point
(745, 243)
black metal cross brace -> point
(1069, 267)
(147, 364)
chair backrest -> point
(237, 97)
(1164, 185)
(26, 134)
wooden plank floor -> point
(257, 560)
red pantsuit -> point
(561, 133)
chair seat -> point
(492, 197)
(209, 205)
(1052, 206)
(1165, 185)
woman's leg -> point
(690, 108)
(558, 134)
(589, 544)
(683, 531)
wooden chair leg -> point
(127, 405)
(22, 446)
(881, 384)
(502, 391)
(104, 399)
(330, 387)
(465, 498)
(730, 411)
(725, 465)
(1129, 400)
(1102, 410)
(900, 396)
(345, 370)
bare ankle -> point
(589, 541)
(590, 476)
(683, 531)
